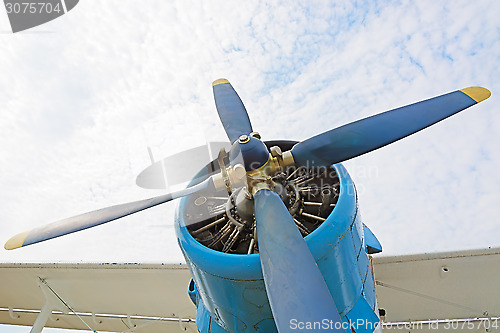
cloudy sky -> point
(84, 96)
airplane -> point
(273, 242)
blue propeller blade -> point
(295, 287)
(95, 218)
(232, 112)
(368, 134)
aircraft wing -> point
(103, 297)
(451, 290)
(440, 290)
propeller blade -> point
(94, 218)
(232, 112)
(371, 133)
(295, 287)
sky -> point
(83, 97)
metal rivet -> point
(244, 138)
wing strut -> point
(52, 302)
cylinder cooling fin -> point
(224, 221)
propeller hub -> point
(244, 139)
(252, 151)
(245, 206)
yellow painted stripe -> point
(478, 94)
(16, 241)
(219, 81)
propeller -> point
(365, 135)
(294, 284)
(95, 218)
(232, 112)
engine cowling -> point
(228, 288)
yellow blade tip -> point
(16, 241)
(219, 81)
(478, 94)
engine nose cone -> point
(245, 206)
(252, 151)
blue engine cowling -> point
(229, 291)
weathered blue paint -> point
(254, 153)
(232, 112)
(362, 136)
(295, 286)
(372, 243)
(231, 287)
